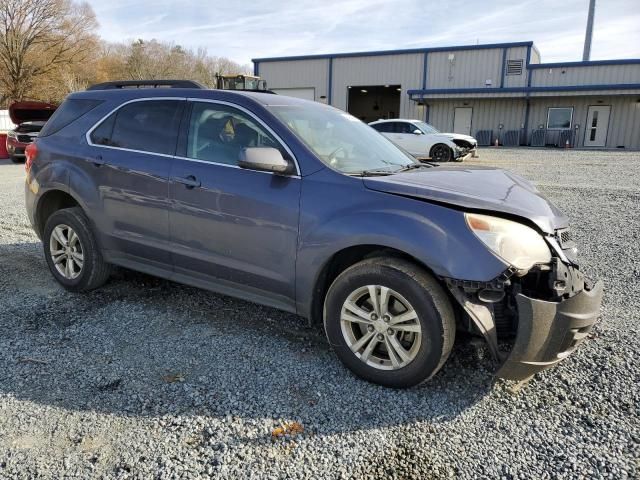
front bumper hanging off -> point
(548, 332)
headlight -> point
(513, 242)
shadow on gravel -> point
(141, 346)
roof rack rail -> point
(120, 84)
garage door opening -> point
(371, 103)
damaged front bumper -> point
(548, 330)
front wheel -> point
(441, 153)
(390, 322)
(15, 159)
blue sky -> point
(242, 30)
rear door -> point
(233, 230)
(129, 160)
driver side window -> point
(218, 133)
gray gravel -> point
(149, 379)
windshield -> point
(342, 141)
(426, 128)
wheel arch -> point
(343, 259)
(49, 203)
(449, 145)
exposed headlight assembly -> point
(515, 243)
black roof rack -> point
(146, 84)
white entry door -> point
(462, 120)
(595, 134)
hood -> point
(459, 136)
(475, 188)
(21, 112)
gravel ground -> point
(149, 379)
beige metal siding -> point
(586, 75)
(516, 53)
(624, 121)
(297, 74)
(404, 70)
(469, 69)
(487, 114)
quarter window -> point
(559, 118)
(218, 133)
(148, 126)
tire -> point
(406, 283)
(441, 153)
(93, 270)
(15, 159)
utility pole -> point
(586, 54)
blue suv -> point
(302, 207)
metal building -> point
(497, 91)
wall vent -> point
(514, 67)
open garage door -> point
(371, 103)
(303, 93)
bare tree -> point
(38, 37)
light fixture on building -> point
(349, 87)
(399, 89)
(363, 91)
(386, 86)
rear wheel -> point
(390, 322)
(72, 252)
(441, 153)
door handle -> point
(189, 181)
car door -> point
(232, 229)
(405, 137)
(129, 160)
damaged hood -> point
(475, 188)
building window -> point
(514, 67)
(559, 118)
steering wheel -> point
(333, 161)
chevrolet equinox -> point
(302, 207)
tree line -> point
(49, 48)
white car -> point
(423, 141)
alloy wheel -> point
(381, 327)
(66, 251)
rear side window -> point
(147, 126)
(70, 110)
(385, 127)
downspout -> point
(330, 86)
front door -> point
(462, 120)
(232, 229)
(597, 126)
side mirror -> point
(264, 159)
(417, 132)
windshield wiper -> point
(374, 173)
(414, 166)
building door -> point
(595, 134)
(462, 120)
